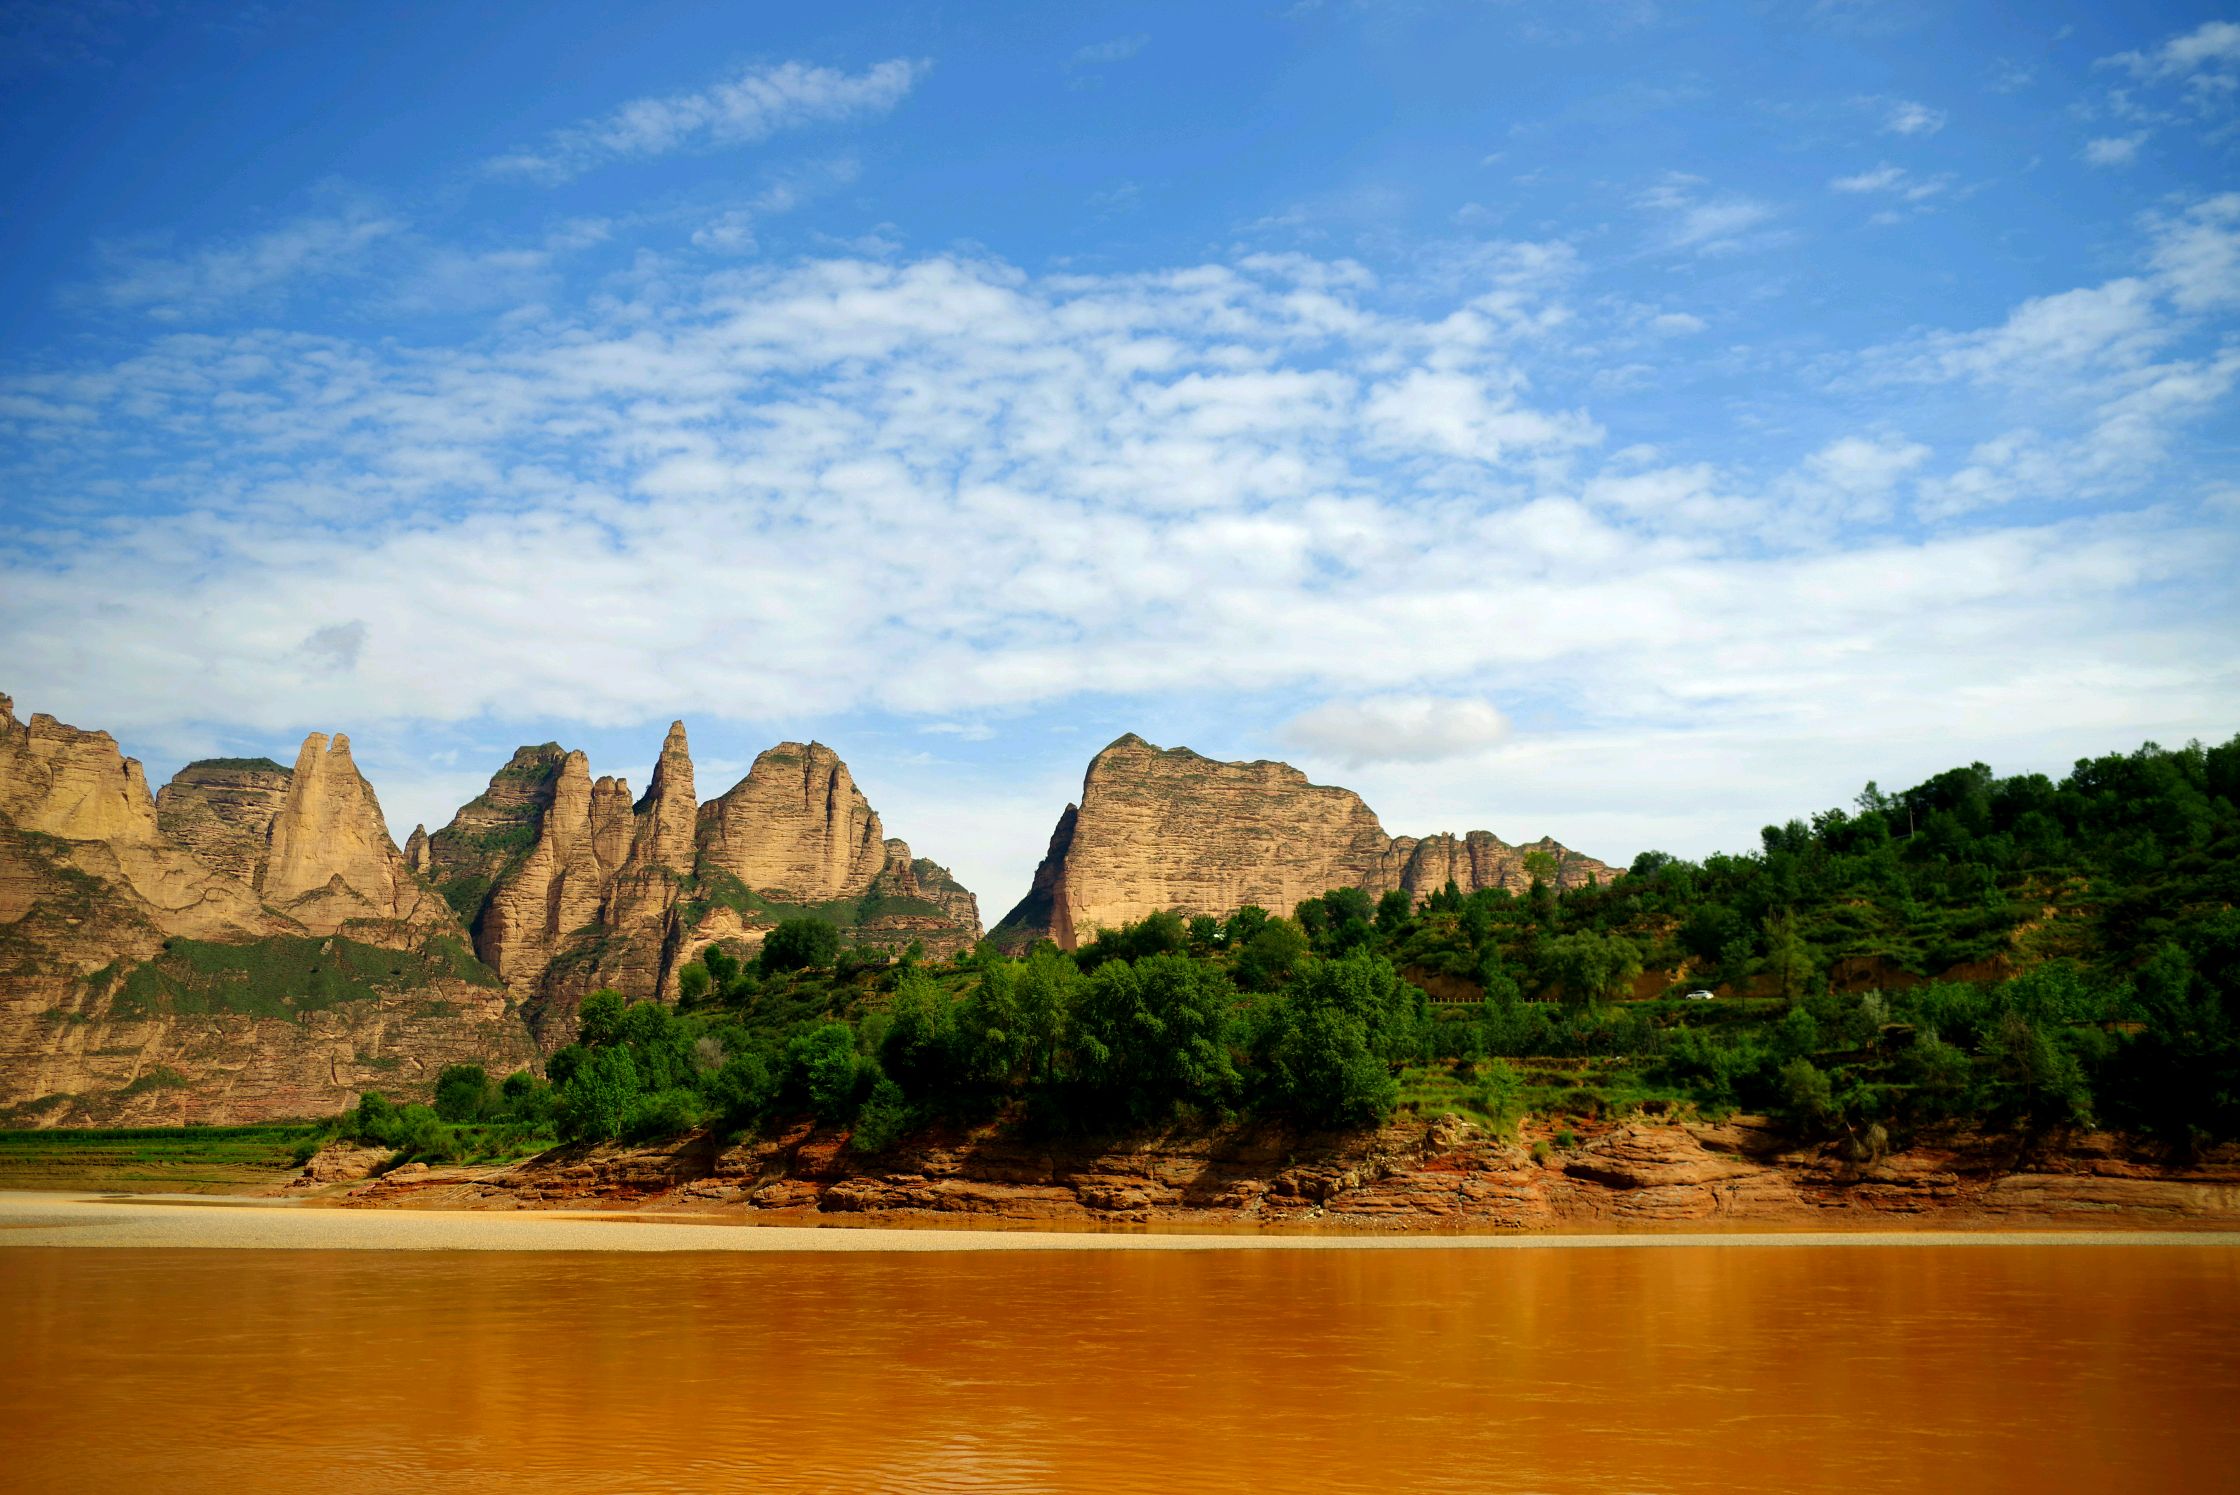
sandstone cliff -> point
(251, 942)
(556, 889)
(796, 828)
(1160, 829)
(329, 862)
(221, 810)
(146, 976)
(568, 886)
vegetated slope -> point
(2005, 952)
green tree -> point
(1591, 967)
(595, 1103)
(1788, 957)
(799, 944)
(599, 1020)
(824, 1068)
(1266, 960)
(1243, 925)
(1394, 910)
(1324, 1049)
(463, 1093)
(920, 1051)
(1150, 1035)
(1806, 1097)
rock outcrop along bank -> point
(1161, 829)
(1447, 1174)
(251, 943)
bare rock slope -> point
(1162, 829)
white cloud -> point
(754, 105)
(1458, 415)
(2113, 150)
(1905, 117)
(1852, 478)
(1893, 180)
(1397, 729)
(1695, 222)
(172, 287)
(2048, 336)
(2211, 45)
(1118, 49)
(2197, 254)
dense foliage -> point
(2012, 952)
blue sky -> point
(1623, 421)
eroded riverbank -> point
(116, 1221)
(1411, 1177)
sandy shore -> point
(78, 1219)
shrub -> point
(884, 1117)
(463, 1093)
(661, 1113)
(799, 944)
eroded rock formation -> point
(796, 827)
(148, 976)
(329, 862)
(222, 810)
(1160, 829)
(568, 886)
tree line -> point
(2012, 952)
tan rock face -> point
(562, 882)
(92, 802)
(796, 827)
(1161, 829)
(329, 860)
(632, 945)
(111, 911)
(914, 899)
(667, 822)
(556, 890)
(222, 811)
(60, 781)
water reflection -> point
(2027, 1369)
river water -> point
(2023, 1368)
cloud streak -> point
(743, 110)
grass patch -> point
(282, 977)
(190, 1159)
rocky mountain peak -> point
(668, 815)
(222, 809)
(76, 785)
(796, 827)
(1160, 829)
(328, 858)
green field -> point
(185, 1160)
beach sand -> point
(96, 1220)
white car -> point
(1698, 995)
